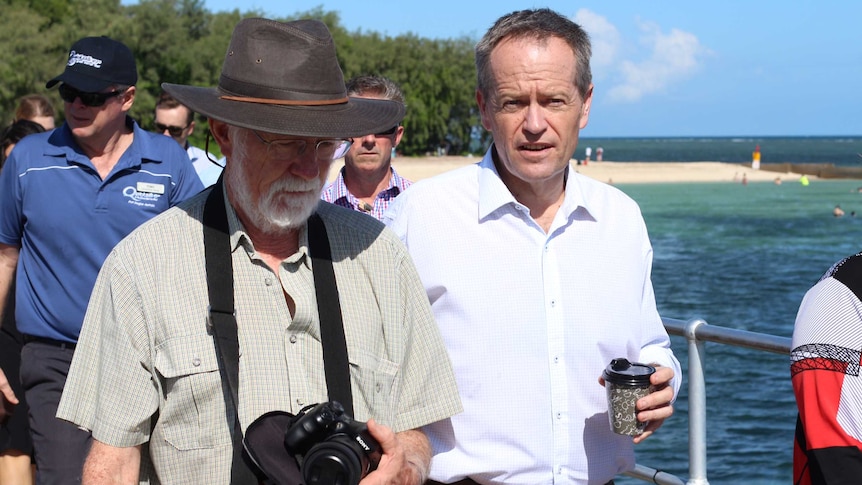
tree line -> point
(180, 41)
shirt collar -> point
(339, 189)
(239, 237)
(143, 148)
(493, 193)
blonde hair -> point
(32, 106)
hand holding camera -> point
(330, 446)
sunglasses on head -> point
(93, 100)
(175, 131)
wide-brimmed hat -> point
(96, 63)
(283, 77)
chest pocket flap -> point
(182, 356)
(193, 407)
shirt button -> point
(268, 281)
(553, 303)
(556, 360)
(196, 362)
(378, 387)
(559, 416)
(299, 402)
(293, 339)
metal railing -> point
(696, 332)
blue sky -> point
(671, 68)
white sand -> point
(417, 168)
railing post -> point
(696, 405)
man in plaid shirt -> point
(367, 182)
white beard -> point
(276, 211)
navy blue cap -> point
(96, 63)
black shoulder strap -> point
(222, 318)
(332, 338)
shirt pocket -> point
(375, 379)
(192, 415)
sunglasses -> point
(175, 131)
(388, 132)
(93, 100)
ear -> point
(221, 133)
(398, 134)
(483, 105)
(191, 128)
(129, 98)
(585, 109)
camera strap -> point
(336, 365)
(222, 316)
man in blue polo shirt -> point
(66, 198)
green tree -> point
(27, 60)
(179, 41)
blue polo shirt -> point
(66, 219)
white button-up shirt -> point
(530, 320)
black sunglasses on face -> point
(93, 100)
(390, 131)
(175, 131)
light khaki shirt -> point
(144, 348)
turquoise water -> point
(843, 151)
(741, 257)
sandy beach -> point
(417, 168)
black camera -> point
(331, 448)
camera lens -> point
(334, 462)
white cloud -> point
(604, 37)
(631, 70)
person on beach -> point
(826, 380)
(368, 183)
(67, 197)
(152, 372)
(552, 283)
(755, 158)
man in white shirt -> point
(177, 121)
(538, 277)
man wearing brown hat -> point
(223, 315)
(66, 198)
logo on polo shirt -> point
(75, 58)
(144, 194)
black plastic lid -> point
(625, 373)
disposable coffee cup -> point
(625, 383)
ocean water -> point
(741, 257)
(841, 151)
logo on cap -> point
(75, 58)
